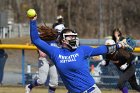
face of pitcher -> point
(69, 39)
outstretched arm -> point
(104, 49)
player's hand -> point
(123, 43)
(124, 66)
(103, 62)
(34, 18)
(42, 54)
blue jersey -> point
(71, 65)
(52, 43)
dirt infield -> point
(13, 89)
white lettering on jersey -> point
(66, 59)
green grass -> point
(11, 89)
(22, 40)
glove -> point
(132, 44)
(124, 66)
(103, 62)
(129, 44)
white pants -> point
(96, 90)
(44, 70)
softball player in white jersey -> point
(45, 67)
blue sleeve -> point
(90, 51)
(42, 45)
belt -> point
(89, 90)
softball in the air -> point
(31, 13)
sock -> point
(35, 83)
(51, 90)
(32, 85)
(124, 90)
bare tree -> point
(89, 17)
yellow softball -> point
(31, 13)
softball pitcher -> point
(71, 60)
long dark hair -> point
(46, 33)
(116, 30)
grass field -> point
(10, 89)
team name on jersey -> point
(70, 58)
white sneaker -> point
(27, 89)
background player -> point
(45, 65)
(59, 24)
(124, 62)
(123, 59)
(3, 58)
